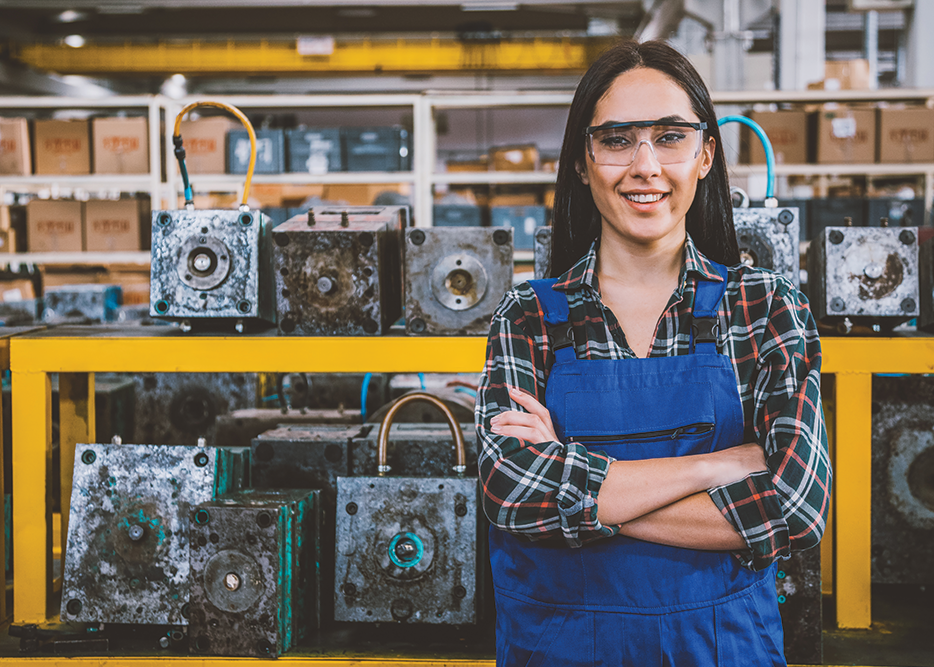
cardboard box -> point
(515, 158)
(846, 74)
(16, 289)
(15, 159)
(788, 132)
(362, 195)
(906, 135)
(111, 226)
(516, 199)
(205, 144)
(456, 166)
(54, 226)
(7, 240)
(121, 145)
(844, 135)
(62, 147)
(133, 280)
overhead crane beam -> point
(282, 57)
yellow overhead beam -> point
(279, 57)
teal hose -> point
(766, 145)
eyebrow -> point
(673, 118)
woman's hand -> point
(533, 426)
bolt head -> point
(136, 532)
(202, 262)
(232, 581)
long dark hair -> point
(577, 221)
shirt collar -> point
(583, 273)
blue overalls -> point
(622, 601)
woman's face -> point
(645, 203)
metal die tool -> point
(798, 585)
(541, 247)
(337, 270)
(768, 238)
(255, 586)
(82, 304)
(926, 260)
(407, 547)
(903, 480)
(454, 278)
(126, 559)
(211, 265)
(865, 275)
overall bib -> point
(621, 601)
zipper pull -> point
(677, 432)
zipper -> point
(673, 433)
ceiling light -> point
(75, 41)
(70, 16)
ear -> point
(707, 153)
(581, 169)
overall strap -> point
(555, 314)
(705, 326)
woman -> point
(652, 439)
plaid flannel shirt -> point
(550, 489)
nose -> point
(645, 162)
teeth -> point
(644, 199)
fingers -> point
(527, 401)
(532, 435)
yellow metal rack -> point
(77, 353)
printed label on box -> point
(843, 128)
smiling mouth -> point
(644, 199)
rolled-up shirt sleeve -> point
(545, 490)
(784, 509)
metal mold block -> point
(798, 585)
(768, 238)
(126, 559)
(179, 408)
(255, 586)
(238, 428)
(926, 280)
(903, 480)
(82, 303)
(415, 450)
(866, 274)
(542, 252)
(454, 278)
(211, 265)
(407, 550)
(337, 270)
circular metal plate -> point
(416, 530)
(203, 262)
(459, 281)
(217, 582)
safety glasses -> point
(616, 144)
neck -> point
(636, 265)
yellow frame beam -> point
(34, 356)
(282, 57)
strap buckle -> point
(562, 335)
(705, 330)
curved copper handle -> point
(459, 448)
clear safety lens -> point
(618, 146)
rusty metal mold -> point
(82, 304)
(337, 270)
(903, 480)
(407, 550)
(255, 587)
(868, 275)
(542, 252)
(415, 450)
(454, 278)
(239, 427)
(768, 238)
(179, 408)
(212, 267)
(798, 585)
(126, 559)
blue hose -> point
(766, 145)
(363, 392)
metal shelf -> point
(495, 177)
(76, 258)
(919, 169)
(89, 181)
(205, 182)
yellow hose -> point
(243, 119)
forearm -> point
(693, 522)
(635, 488)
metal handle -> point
(460, 452)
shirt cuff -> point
(577, 498)
(753, 507)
